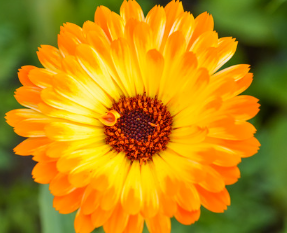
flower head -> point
(130, 120)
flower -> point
(130, 120)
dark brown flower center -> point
(143, 128)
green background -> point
(259, 199)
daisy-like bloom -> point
(130, 120)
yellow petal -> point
(63, 131)
(150, 204)
(132, 195)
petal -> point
(132, 195)
(100, 216)
(28, 123)
(158, 224)
(135, 224)
(117, 222)
(226, 48)
(168, 182)
(68, 203)
(215, 202)
(53, 99)
(62, 114)
(150, 204)
(213, 182)
(131, 9)
(70, 36)
(230, 175)
(203, 22)
(92, 64)
(102, 15)
(63, 131)
(188, 135)
(186, 217)
(226, 128)
(50, 57)
(30, 145)
(85, 157)
(78, 92)
(41, 77)
(91, 202)
(172, 10)
(29, 96)
(58, 148)
(43, 172)
(187, 198)
(185, 24)
(242, 107)
(60, 185)
(23, 75)
(115, 26)
(152, 72)
(83, 223)
(122, 57)
(156, 19)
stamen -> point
(143, 128)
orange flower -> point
(131, 122)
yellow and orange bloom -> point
(130, 120)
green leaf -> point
(51, 220)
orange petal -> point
(156, 19)
(117, 222)
(230, 175)
(102, 15)
(215, 202)
(115, 26)
(50, 57)
(131, 9)
(41, 77)
(28, 146)
(100, 216)
(203, 22)
(173, 10)
(29, 96)
(135, 224)
(187, 217)
(70, 36)
(43, 173)
(23, 75)
(241, 107)
(91, 202)
(83, 223)
(213, 182)
(158, 224)
(60, 185)
(187, 197)
(226, 48)
(70, 202)
(168, 205)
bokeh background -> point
(259, 199)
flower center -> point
(143, 128)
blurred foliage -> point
(259, 199)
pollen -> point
(143, 128)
